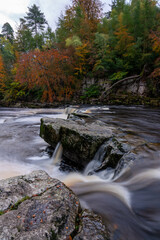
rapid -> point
(128, 203)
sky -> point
(12, 10)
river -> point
(22, 150)
(128, 204)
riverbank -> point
(126, 100)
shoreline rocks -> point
(38, 207)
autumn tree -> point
(155, 75)
(80, 19)
(49, 71)
(124, 39)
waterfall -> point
(97, 160)
(129, 204)
(56, 158)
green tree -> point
(7, 32)
(62, 32)
(8, 53)
(50, 39)
(35, 19)
(118, 5)
(24, 40)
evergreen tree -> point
(8, 53)
(35, 19)
(50, 38)
(7, 32)
(24, 40)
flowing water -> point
(22, 150)
(130, 203)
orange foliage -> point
(156, 72)
(91, 13)
(155, 38)
(92, 10)
(81, 53)
(48, 70)
(125, 41)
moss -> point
(77, 225)
(2, 212)
(15, 206)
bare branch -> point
(107, 92)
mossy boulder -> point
(80, 141)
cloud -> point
(52, 10)
(11, 11)
(16, 6)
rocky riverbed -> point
(37, 206)
(85, 143)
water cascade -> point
(56, 158)
(97, 160)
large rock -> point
(36, 207)
(80, 141)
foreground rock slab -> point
(80, 141)
(38, 207)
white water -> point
(21, 147)
(57, 155)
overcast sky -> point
(12, 10)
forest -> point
(38, 64)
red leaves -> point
(46, 69)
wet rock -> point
(114, 151)
(38, 207)
(125, 161)
(112, 155)
(91, 227)
(80, 142)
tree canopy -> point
(87, 43)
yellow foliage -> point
(82, 52)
